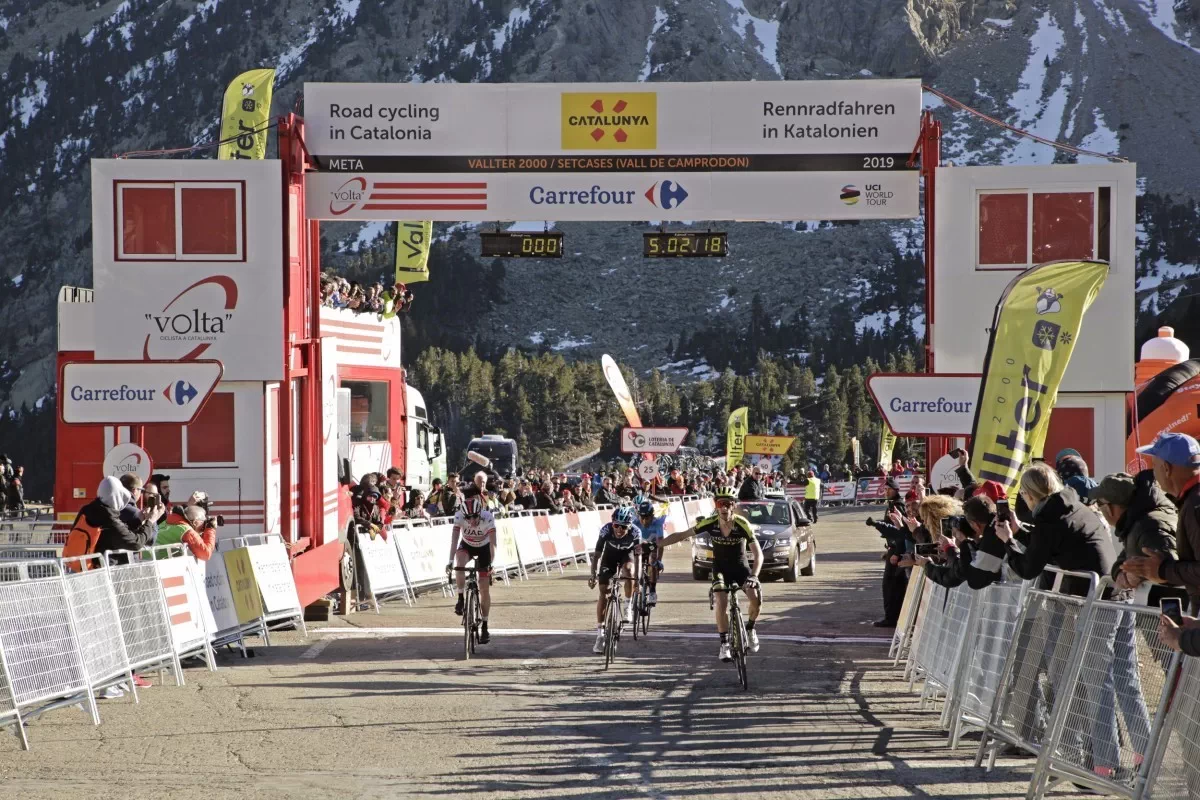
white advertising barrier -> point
(276, 584)
(579, 525)
(381, 562)
(507, 556)
(529, 547)
(677, 519)
(184, 599)
(838, 492)
(423, 550)
(221, 616)
(560, 535)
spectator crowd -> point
(337, 292)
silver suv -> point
(784, 533)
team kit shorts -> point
(734, 572)
(612, 563)
(482, 555)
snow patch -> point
(32, 101)
(765, 31)
(1162, 16)
(1102, 140)
(1044, 119)
(369, 233)
(875, 321)
(1112, 16)
(537, 337)
(566, 343)
(999, 23)
(516, 18)
(18, 279)
(660, 19)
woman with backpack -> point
(102, 528)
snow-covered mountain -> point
(88, 78)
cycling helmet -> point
(472, 506)
(623, 516)
(646, 508)
(724, 493)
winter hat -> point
(113, 494)
(1116, 489)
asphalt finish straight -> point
(384, 706)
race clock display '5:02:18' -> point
(685, 245)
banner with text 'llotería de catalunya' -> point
(769, 150)
(1038, 321)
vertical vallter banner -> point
(735, 436)
(412, 251)
(1038, 320)
(616, 381)
(887, 441)
(246, 109)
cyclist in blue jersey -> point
(652, 533)
(618, 549)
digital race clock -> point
(508, 244)
(685, 245)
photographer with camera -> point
(197, 532)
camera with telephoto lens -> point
(214, 522)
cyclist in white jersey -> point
(474, 537)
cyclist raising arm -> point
(619, 547)
(730, 535)
(474, 537)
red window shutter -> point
(1074, 428)
(1063, 225)
(164, 443)
(209, 220)
(211, 434)
(148, 220)
(1004, 228)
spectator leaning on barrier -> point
(606, 496)
(1142, 518)
(104, 513)
(1065, 533)
(196, 532)
(947, 569)
(752, 488)
(1176, 461)
(546, 501)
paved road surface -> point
(384, 707)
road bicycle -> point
(472, 613)
(739, 640)
(641, 604)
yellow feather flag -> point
(887, 441)
(244, 115)
(735, 436)
(412, 251)
(1037, 324)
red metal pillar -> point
(929, 149)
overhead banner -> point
(735, 436)
(768, 445)
(776, 150)
(1036, 326)
(244, 115)
(922, 404)
(412, 251)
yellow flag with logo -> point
(244, 115)
(412, 251)
(1037, 323)
(887, 441)
(735, 436)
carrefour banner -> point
(1037, 324)
(617, 151)
(412, 251)
(735, 436)
(244, 115)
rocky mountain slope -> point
(86, 78)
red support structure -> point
(929, 150)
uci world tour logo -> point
(850, 194)
(190, 317)
(344, 198)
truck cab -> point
(427, 445)
(500, 450)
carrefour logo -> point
(180, 392)
(663, 194)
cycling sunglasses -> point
(723, 503)
(617, 526)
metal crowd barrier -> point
(1175, 773)
(988, 638)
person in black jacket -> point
(105, 513)
(752, 488)
(1143, 518)
(606, 496)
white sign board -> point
(635, 151)
(648, 470)
(212, 576)
(942, 474)
(187, 263)
(128, 457)
(381, 560)
(273, 573)
(926, 405)
(652, 440)
(136, 392)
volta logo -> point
(347, 196)
(666, 194)
(180, 393)
(609, 121)
(184, 322)
(850, 194)
(130, 463)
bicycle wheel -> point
(646, 609)
(636, 601)
(737, 632)
(468, 626)
(476, 616)
(611, 621)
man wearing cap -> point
(1142, 517)
(1176, 461)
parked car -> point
(783, 531)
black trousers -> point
(810, 508)
(895, 585)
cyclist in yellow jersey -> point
(730, 535)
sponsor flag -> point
(887, 441)
(735, 436)
(412, 251)
(616, 381)
(244, 115)
(1037, 322)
